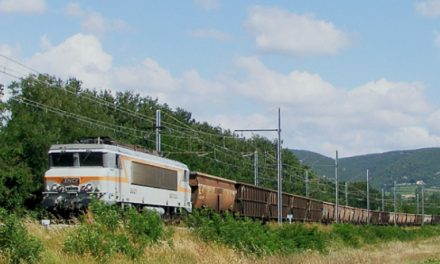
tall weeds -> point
(252, 237)
(113, 230)
(16, 244)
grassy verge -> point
(116, 236)
(251, 237)
(187, 247)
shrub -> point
(115, 231)
(347, 233)
(356, 236)
(15, 242)
(297, 237)
(146, 227)
(252, 237)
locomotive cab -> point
(114, 174)
(76, 175)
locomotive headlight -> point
(56, 187)
(87, 188)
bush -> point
(114, 230)
(355, 236)
(15, 242)
(347, 233)
(252, 237)
(297, 237)
(146, 227)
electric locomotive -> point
(116, 174)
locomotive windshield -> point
(62, 159)
(71, 159)
(90, 159)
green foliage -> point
(347, 233)
(15, 242)
(254, 238)
(297, 237)
(356, 236)
(145, 228)
(114, 230)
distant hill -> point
(407, 166)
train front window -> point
(90, 159)
(62, 159)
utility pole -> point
(368, 198)
(256, 168)
(383, 202)
(395, 207)
(307, 184)
(417, 201)
(280, 168)
(423, 204)
(346, 193)
(158, 121)
(279, 163)
(337, 189)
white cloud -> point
(78, 56)
(148, 77)
(270, 86)
(428, 8)
(211, 34)
(282, 32)
(22, 6)
(208, 4)
(94, 22)
(377, 116)
(316, 115)
(83, 57)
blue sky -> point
(357, 76)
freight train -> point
(119, 174)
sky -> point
(354, 76)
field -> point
(188, 248)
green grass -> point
(251, 237)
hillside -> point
(406, 166)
